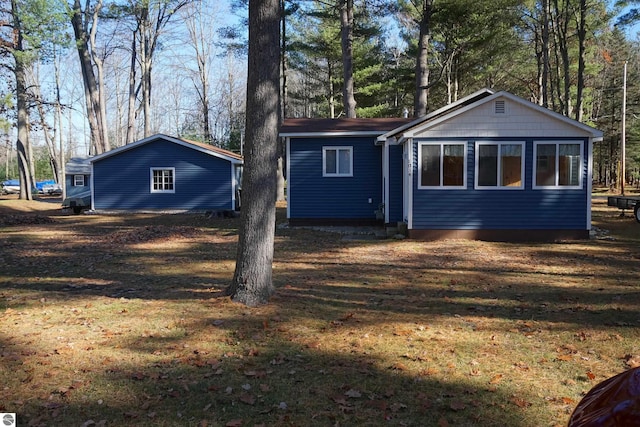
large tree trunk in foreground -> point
(252, 281)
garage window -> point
(163, 180)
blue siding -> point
(202, 181)
(395, 183)
(528, 209)
(312, 196)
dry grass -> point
(119, 320)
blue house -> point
(165, 173)
(491, 166)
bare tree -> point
(252, 281)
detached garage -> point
(165, 173)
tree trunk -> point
(422, 61)
(252, 281)
(545, 54)
(131, 108)
(346, 35)
(23, 148)
(582, 35)
(91, 91)
(283, 104)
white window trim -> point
(499, 171)
(151, 170)
(324, 161)
(443, 187)
(77, 182)
(556, 186)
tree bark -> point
(545, 54)
(346, 35)
(582, 35)
(422, 61)
(252, 281)
(23, 148)
(79, 21)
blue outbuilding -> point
(491, 166)
(163, 173)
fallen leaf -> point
(496, 379)
(234, 423)
(353, 393)
(457, 406)
(568, 401)
(442, 422)
(520, 402)
(248, 398)
(591, 375)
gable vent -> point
(500, 107)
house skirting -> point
(334, 222)
(501, 235)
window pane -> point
(430, 174)
(344, 163)
(511, 165)
(546, 164)
(569, 164)
(453, 165)
(487, 165)
(168, 179)
(330, 161)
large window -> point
(500, 165)
(558, 164)
(162, 180)
(442, 165)
(337, 161)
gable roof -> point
(462, 102)
(198, 146)
(340, 127)
(78, 166)
(445, 113)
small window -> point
(558, 164)
(442, 165)
(337, 161)
(163, 180)
(78, 180)
(500, 165)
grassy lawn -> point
(120, 320)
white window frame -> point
(499, 171)
(78, 182)
(441, 186)
(558, 143)
(173, 175)
(337, 173)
